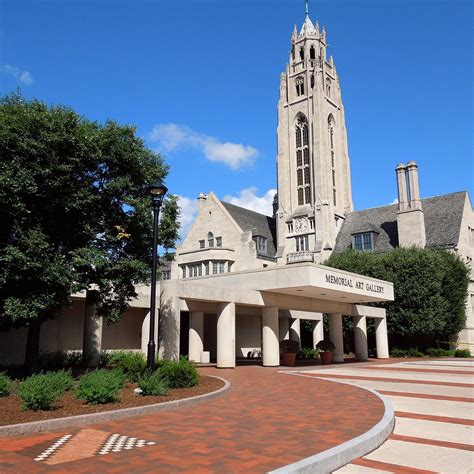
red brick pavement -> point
(266, 420)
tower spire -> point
(307, 9)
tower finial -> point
(307, 9)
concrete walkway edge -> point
(334, 458)
(91, 418)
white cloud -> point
(395, 201)
(22, 76)
(171, 136)
(189, 208)
(249, 199)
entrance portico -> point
(268, 298)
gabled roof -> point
(443, 216)
(258, 224)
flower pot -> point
(326, 358)
(288, 359)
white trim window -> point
(363, 241)
(262, 246)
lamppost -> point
(157, 192)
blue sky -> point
(199, 79)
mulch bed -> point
(69, 405)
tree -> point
(430, 289)
(74, 213)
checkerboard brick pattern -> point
(267, 419)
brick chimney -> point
(410, 216)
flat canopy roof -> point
(304, 280)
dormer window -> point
(363, 241)
(210, 239)
(202, 244)
(261, 245)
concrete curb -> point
(334, 458)
(91, 418)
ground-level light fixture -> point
(157, 192)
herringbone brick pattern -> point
(266, 420)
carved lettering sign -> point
(353, 283)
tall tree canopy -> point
(74, 212)
(430, 287)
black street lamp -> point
(157, 192)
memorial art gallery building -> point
(242, 281)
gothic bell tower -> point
(314, 179)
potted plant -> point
(326, 348)
(288, 351)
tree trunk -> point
(32, 346)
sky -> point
(200, 80)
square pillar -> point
(226, 335)
(270, 333)
(196, 335)
(336, 336)
(381, 338)
(318, 332)
(360, 337)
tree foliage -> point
(74, 211)
(430, 288)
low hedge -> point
(42, 391)
(181, 374)
(5, 385)
(153, 384)
(100, 386)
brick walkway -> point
(266, 420)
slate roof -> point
(443, 215)
(258, 224)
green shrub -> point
(42, 391)
(52, 360)
(289, 346)
(5, 385)
(100, 386)
(133, 364)
(412, 352)
(438, 352)
(62, 379)
(325, 346)
(153, 384)
(307, 353)
(462, 353)
(179, 374)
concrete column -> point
(381, 338)
(270, 333)
(169, 321)
(336, 336)
(92, 336)
(196, 335)
(318, 332)
(146, 332)
(360, 337)
(226, 335)
(295, 331)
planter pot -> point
(288, 359)
(326, 358)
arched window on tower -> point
(312, 52)
(299, 86)
(303, 170)
(312, 81)
(293, 52)
(332, 151)
(210, 239)
(302, 54)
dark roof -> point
(258, 224)
(443, 215)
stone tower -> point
(314, 179)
